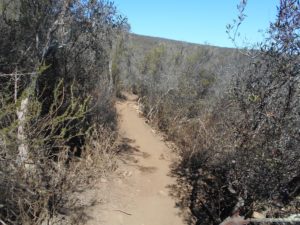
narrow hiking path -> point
(140, 194)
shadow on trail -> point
(132, 154)
(199, 195)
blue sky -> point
(197, 21)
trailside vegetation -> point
(57, 116)
(235, 119)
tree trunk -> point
(21, 137)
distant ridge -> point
(167, 40)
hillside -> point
(231, 113)
(102, 126)
(149, 41)
(138, 55)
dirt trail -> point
(140, 195)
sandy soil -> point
(139, 194)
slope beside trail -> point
(140, 194)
